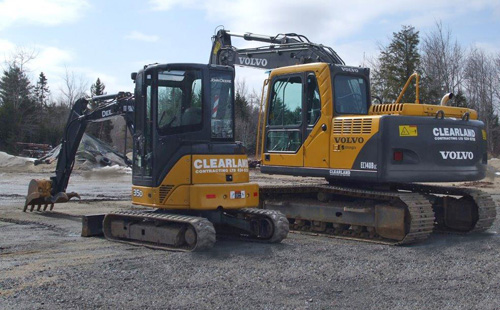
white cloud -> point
(136, 35)
(51, 58)
(40, 12)
(163, 5)
(52, 62)
(325, 20)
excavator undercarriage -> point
(188, 231)
(408, 213)
(180, 232)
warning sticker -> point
(484, 134)
(408, 131)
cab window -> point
(221, 99)
(284, 119)
(313, 100)
(179, 101)
(350, 95)
(286, 103)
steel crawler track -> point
(485, 205)
(415, 198)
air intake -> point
(352, 126)
(164, 191)
(390, 108)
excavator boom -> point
(84, 111)
(284, 50)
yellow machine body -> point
(362, 146)
(202, 182)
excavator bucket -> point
(39, 193)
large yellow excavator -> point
(318, 120)
(186, 164)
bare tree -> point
(378, 82)
(497, 81)
(481, 85)
(21, 56)
(443, 63)
(74, 88)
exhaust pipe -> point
(446, 97)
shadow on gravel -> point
(225, 249)
(58, 215)
(448, 240)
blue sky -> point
(110, 39)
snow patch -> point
(7, 160)
(107, 172)
(114, 168)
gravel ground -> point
(45, 264)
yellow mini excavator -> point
(319, 121)
(186, 164)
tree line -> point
(445, 66)
(29, 113)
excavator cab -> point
(184, 139)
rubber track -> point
(484, 202)
(205, 232)
(280, 223)
(418, 206)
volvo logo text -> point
(349, 140)
(456, 155)
(259, 62)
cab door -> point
(285, 122)
(143, 137)
(318, 118)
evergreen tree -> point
(101, 130)
(397, 62)
(18, 122)
(15, 88)
(97, 88)
(240, 106)
(42, 91)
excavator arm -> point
(281, 50)
(84, 111)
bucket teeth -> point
(39, 193)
